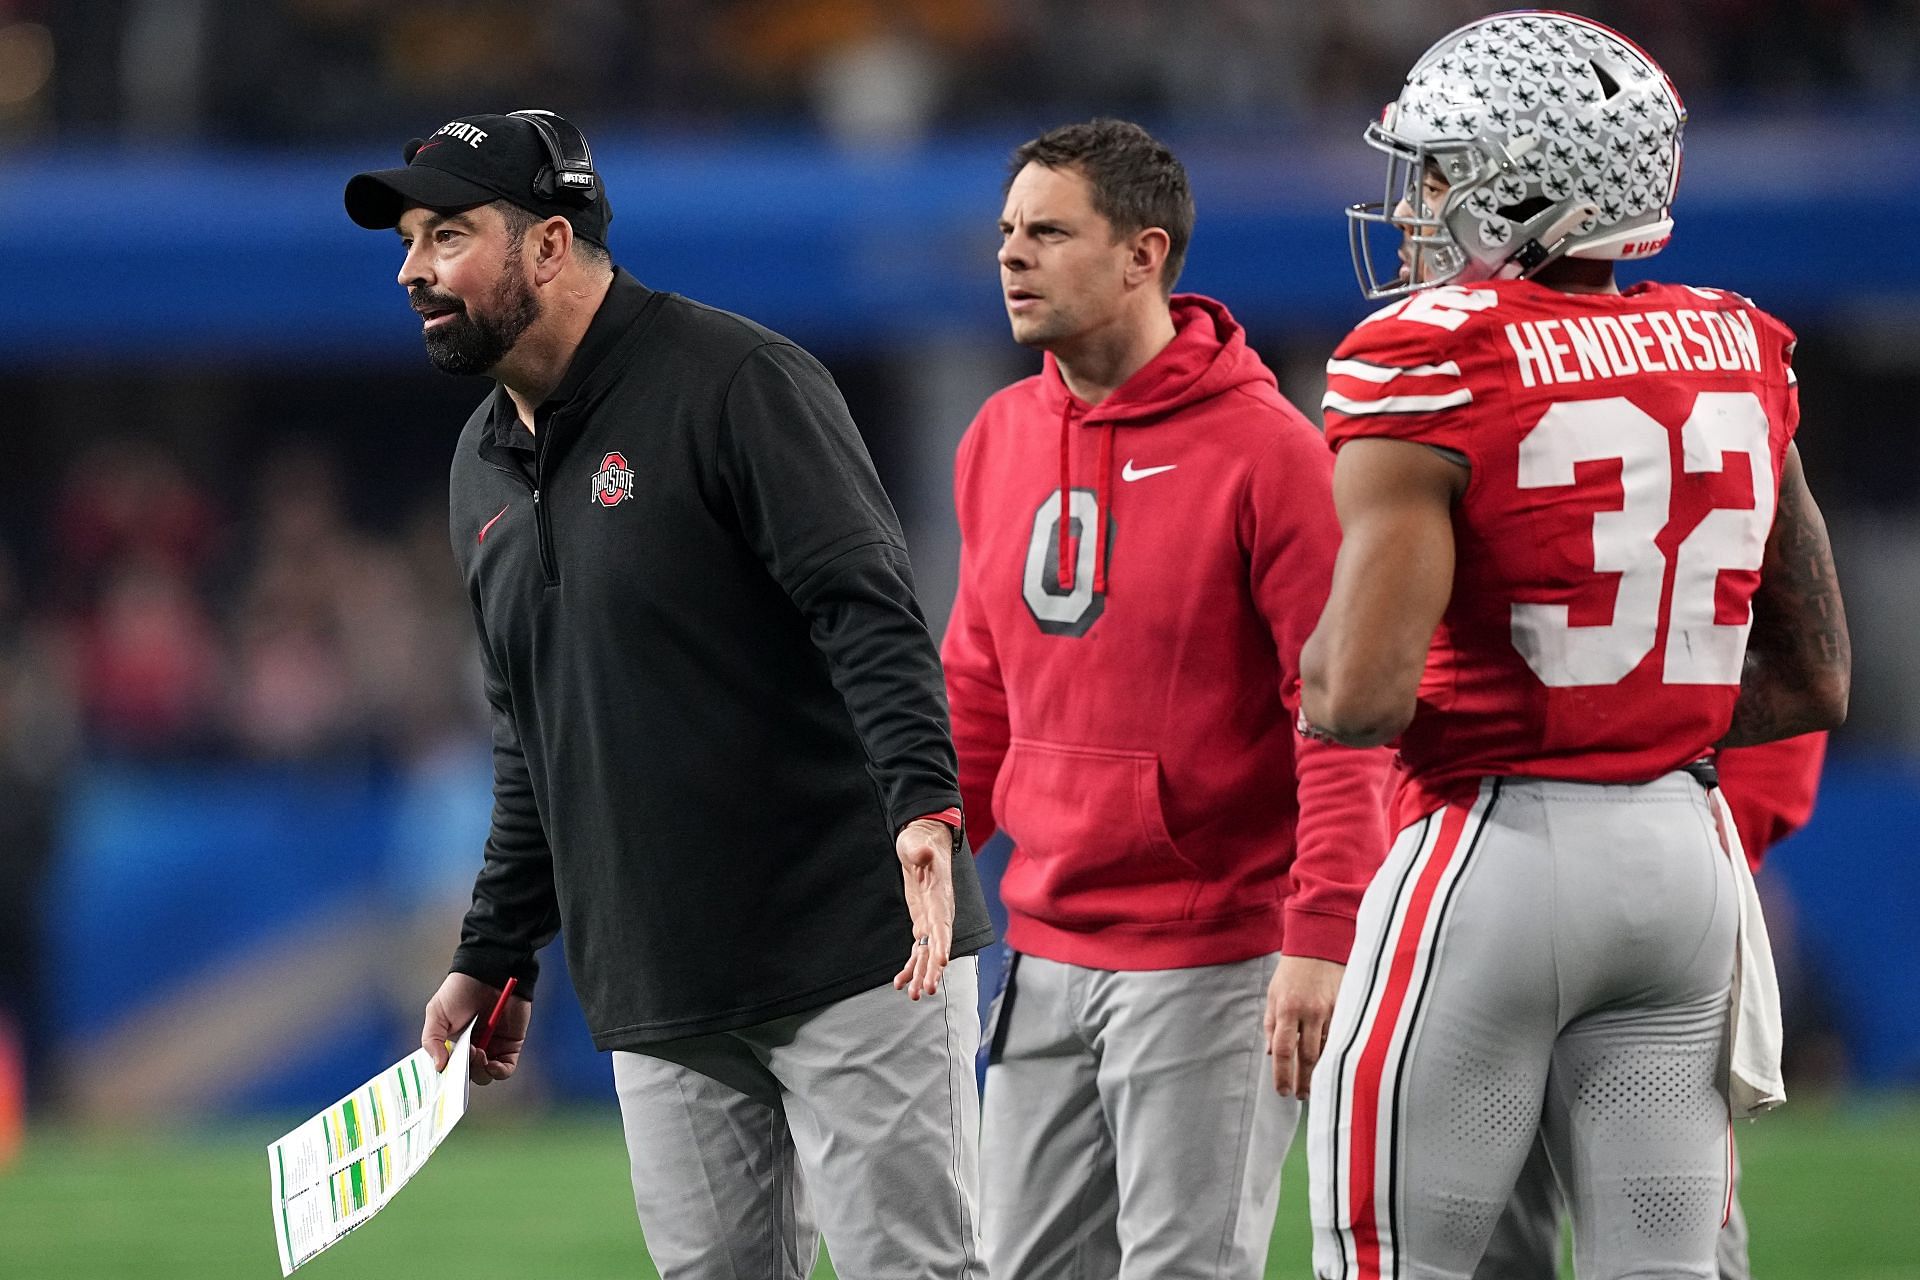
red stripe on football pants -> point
(1363, 1143)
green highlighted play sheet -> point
(340, 1168)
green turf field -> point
(1833, 1191)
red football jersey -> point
(1625, 453)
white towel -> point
(1754, 1031)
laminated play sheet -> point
(337, 1170)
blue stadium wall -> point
(230, 256)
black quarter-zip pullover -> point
(715, 699)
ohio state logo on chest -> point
(613, 484)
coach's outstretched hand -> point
(459, 1001)
(926, 851)
(1299, 1006)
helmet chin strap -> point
(1546, 246)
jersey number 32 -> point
(1699, 650)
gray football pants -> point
(1131, 1126)
(1551, 958)
(859, 1120)
(1526, 1241)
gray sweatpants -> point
(1131, 1126)
(1555, 958)
(1526, 1241)
(859, 1120)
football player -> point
(1578, 552)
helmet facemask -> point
(1400, 243)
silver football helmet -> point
(1551, 136)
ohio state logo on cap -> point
(613, 484)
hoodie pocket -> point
(1090, 841)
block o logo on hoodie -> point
(614, 482)
(1070, 610)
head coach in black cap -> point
(520, 170)
(719, 728)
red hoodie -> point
(1124, 689)
(1771, 789)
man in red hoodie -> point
(1147, 537)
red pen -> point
(485, 1037)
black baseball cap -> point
(476, 160)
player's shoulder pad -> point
(1406, 370)
(1423, 323)
(1774, 334)
(1728, 300)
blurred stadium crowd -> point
(164, 624)
(872, 70)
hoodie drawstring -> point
(1066, 490)
(1103, 494)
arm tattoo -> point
(1799, 657)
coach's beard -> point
(471, 343)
